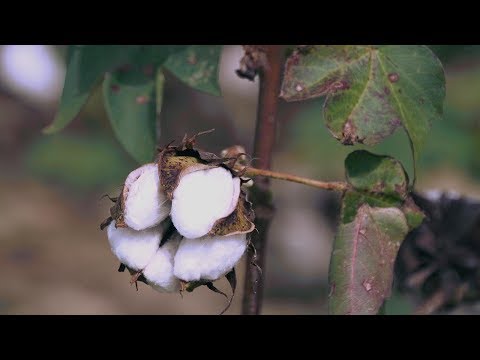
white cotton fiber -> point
(201, 198)
(134, 248)
(159, 271)
(145, 204)
(208, 258)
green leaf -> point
(361, 269)
(379, 181)
(197, 66)
(377, 213)
(130, 99)
(159, 86)
(370, 90)
(352, 200)
(399, 304)
(376, 174)
(413, 214)
(156, 54)
(86, 64)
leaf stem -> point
(333, 186)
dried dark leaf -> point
(122, 267)
(172, 168)
(189, 143)
(105, 223)
(214, 289)
(192, 285)
(252, 248)
(232, 280)
(168, 233)
(117, 210)
(137, 275)
(240, 221)
(114, 200)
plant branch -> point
(268, 61)
(334, 185)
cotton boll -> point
(236, 193)
(145, 204)
(159, 271)
(134, 248)
(201, 198)
(208, 258)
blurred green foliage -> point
(398, 304)
(449, 53)
(82, 162)
(454, 141)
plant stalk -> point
(270, 73)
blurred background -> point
(55, 260)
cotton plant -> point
(183, 221)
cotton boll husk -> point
(134, 248)
(159, 271)
(145, 204)
(201, 198)
(208, 258)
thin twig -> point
(334, 185)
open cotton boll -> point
(159, 271)
(134, 248)
(201, 198)
(208, 258)
(145, 204)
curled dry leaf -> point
(240, 221)
(116, 212)
(231, 278)
(173, 168)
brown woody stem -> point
(270, 67)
